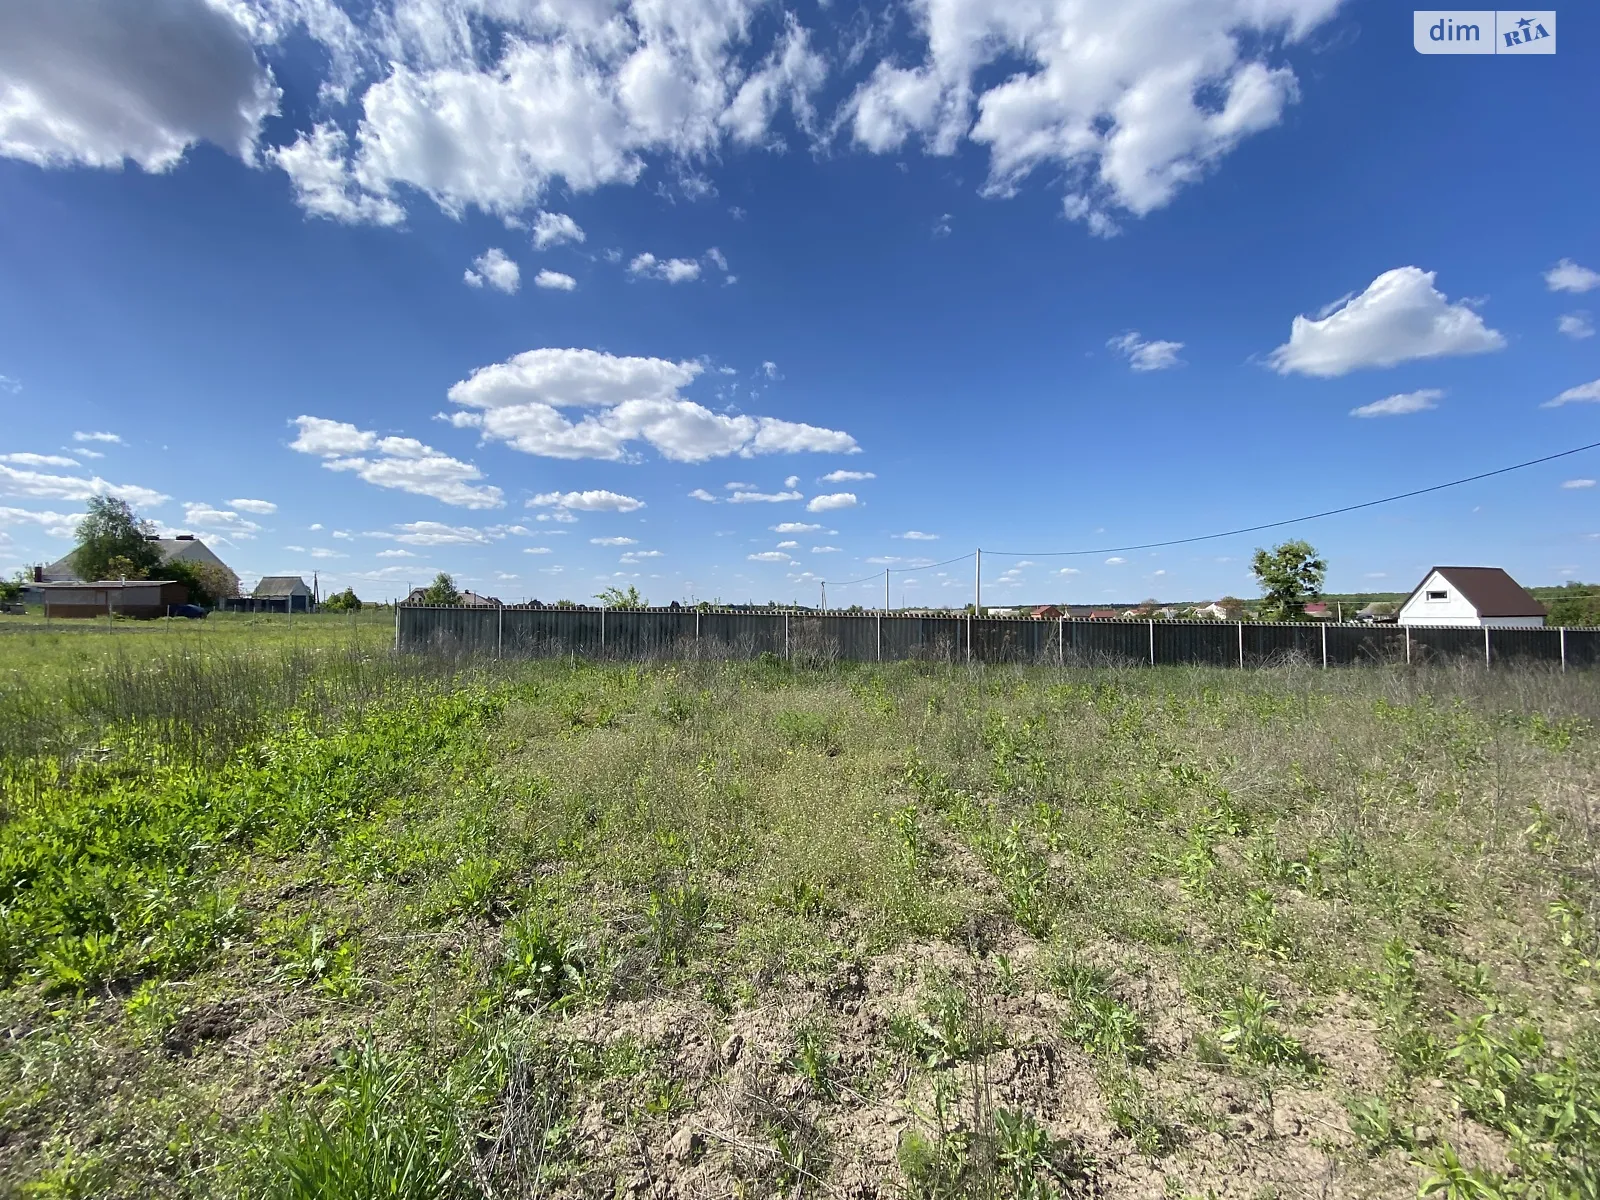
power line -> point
(1332, 512)
(900, 571)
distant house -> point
(283, 593)
(1377, 613)
(1317, 611)
(467, 600)
(1216, 612)
(183, 548)
(1472, 597)
(1047, 612)
(1103, 614)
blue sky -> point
(721, 298)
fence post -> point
(1486, 661)
(1152, 641)
(1408, 645)
(786, 635)
(1563, 647)
(880, 636)
(397, 626)
(1061, 643)
(969, 639)
(1324, 647)
(602, 631)
(1241, 645)
(499, 629)
(697, 624)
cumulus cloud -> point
(1578, 483)
(1584, 392)
(825, 550)
(832, 501)
(395, 554)
(401, 463)
(1115, 561)
(492, 267)
(1400, 317)
(260, 508)
(554, 281)
(221, 520)
(795, 527)
(752, 497)
(1400, 404)
(916, 535)
(673, 270)
(23, 459)
(1145, 355)
(769, 556)
(96, 84)
(847, 476)
(702, 494)
(60, 525)
(96, 437)
(41, 486)
(597, 500)
(1575, 325)
(551, 229)
(629, 400)
(613, 541)
(1129, 101)
(633, 556)
(1568, 276)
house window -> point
(1438, 595)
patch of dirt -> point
(206, 1023)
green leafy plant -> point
(1248, 1033)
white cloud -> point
(1401, 403)
(1578, 483)
(554, 281)
(96, 437)
(436, 533)
(492, 267)
(702, 494)
(794, 527)
(560, 515)
(598, 500)
(1576, 325)
(551, 229)
(395, 554)
(847, 476)
(1115, 561)
(769, 556)
(632, 399)
(825, 550)
(401, 463)
(633, 556)
(1129, 101)
(770, 370)
(1568, 276)
(916, 535)
(40, 486)
(61, 525)
(1068, 571)
(323, 184)
(791, 544)
(718, 259)
(832, 501)
(537, 550)
(1573, 395)
(1400, 317)
(793, 481)
(260, 508)
(743, 497)
(8, 384)
(673, 270)
(24, 459)
(792, 72)
(1145, 355)
(203, 516)
(322, 552)
(613, 541)
(88, 83)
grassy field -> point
(299, 918)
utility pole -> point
(886, 590)
(977, 587)
(824, 583)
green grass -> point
(283, 915)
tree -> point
(1574, 604)
(614, 597)
(345, 601)
(11, 589)
(1232, 606)
(1290, 576)
(113, 543)
(207, 582)
(441, 591)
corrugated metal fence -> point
(516, 632)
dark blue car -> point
(185, 610)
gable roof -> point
(1488, 589)
(191, 549)
(281, 585)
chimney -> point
(38, 573)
